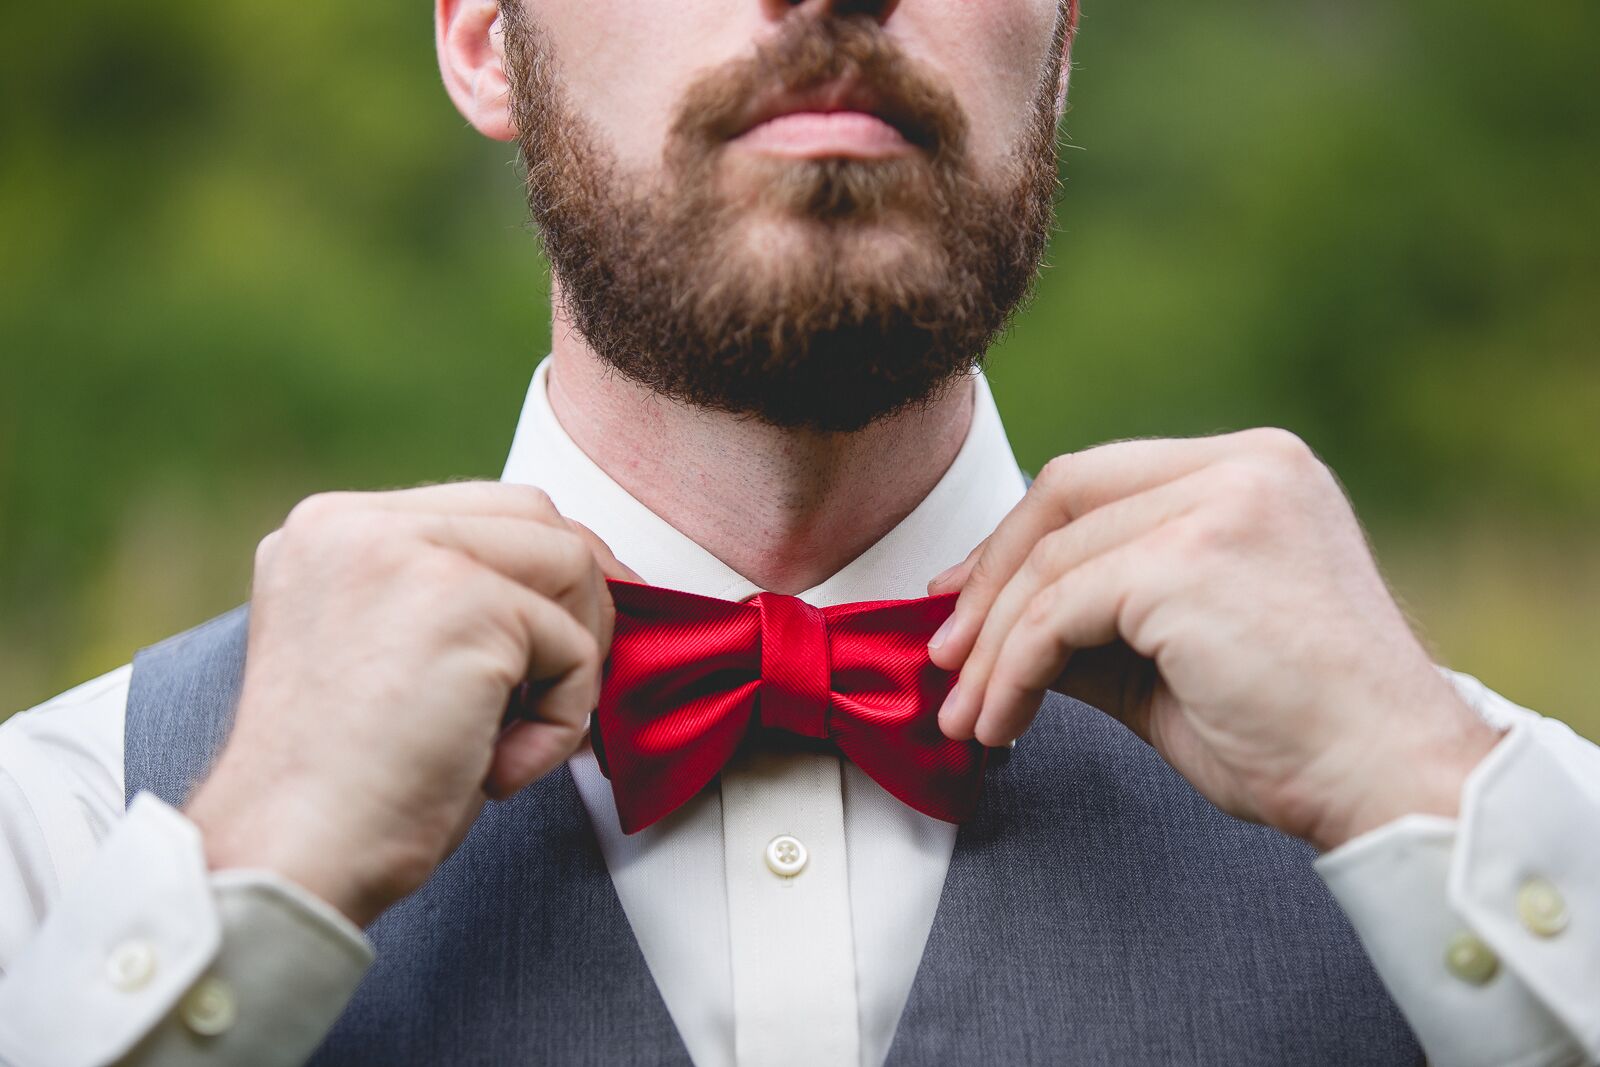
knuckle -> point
(983, 570)
(439, 569)
(538, 501)
(329, 518)
(502, 671)
(590, 657)
(1043, 558)
(316, 510)
(501, 633)
(1055, 471)
(266, 548)
(1191, 540)
(1036, 562)
(984, 585)
(1041, 606)
(1241, 484)
(978, 659)
(325, 527)
(986, 650)
(361, 539)
(1283, 446)
(570, 561)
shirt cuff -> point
(1526, 870)
(149, 955)
(1434, 902)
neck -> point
(783, 508)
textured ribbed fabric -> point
(690, 678)
(1097, 911)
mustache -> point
(810, 54)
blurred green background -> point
(249, 252)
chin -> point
(779, 250)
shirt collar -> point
(975, 493)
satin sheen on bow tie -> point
(689, 676)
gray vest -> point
(1097, 910)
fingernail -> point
(947, 709)
(941, 633)
(944, 575)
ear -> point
(472, 57)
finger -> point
(481, 498)
(1101, 530)
(553, 561)
(525, 753)
(568, 657)
(610, 565)
(267, 549)
(1082, 609)
(1116, 680)
(1057, 553)
(1068, 488)
(955, 577)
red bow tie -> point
(690, 675)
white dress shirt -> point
(115, 940)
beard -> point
(816, 294)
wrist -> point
(1417, 770)
(283, 832)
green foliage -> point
(251, 252)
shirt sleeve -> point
(117, 944)
(1486, 927)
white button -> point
(1541, 907)
(209, 1008)
(1470, 960)
(131, 964)
(786, 856)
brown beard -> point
(894, 277)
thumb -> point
(610, 565)
(1116, 680)
(525, 752)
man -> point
(782, 235)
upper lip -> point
(844, 95)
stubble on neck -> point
(784, 508)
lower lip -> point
(815, 134)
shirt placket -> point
(789, 922)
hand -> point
(1218, 596)
(386, 633)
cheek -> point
(626, 64)
(992, 54)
